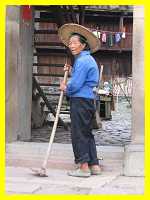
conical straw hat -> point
(67, 30)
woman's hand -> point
(63, 86)
(67, 67)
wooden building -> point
(41, 55)
(19, 61)
(51, 54)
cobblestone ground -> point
(118, 130)
(115, 132)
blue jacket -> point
(84, 77)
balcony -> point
(124, 45)
(45, 38)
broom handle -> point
(100, 76)
(55, 123)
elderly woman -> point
(84, 77)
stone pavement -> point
(20, 180)
(115, 132)
(21, 156)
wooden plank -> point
(50, 49)
(53, 48)
(53, 75)
(47, 65)
(81, 15)
(50, 54)
(52, 94)
(48, 44)
(73, 15)
(106, 15)
(47, 103)
(43, 20)
(42, 7)
(65, 112)
(49, 84)
(45, 32)
(119, 50)
(109, 49)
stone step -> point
(60, 164)
(32, 147)
(28, 154)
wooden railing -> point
(52, 39)
(124, 44)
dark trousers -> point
(83, 143)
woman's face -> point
(75, 45)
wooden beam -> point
(73, 15)
(47, 103)
(48, 44)
(66, 14)
(45, 32)
(49, 54)
(81, 14)
(47, 65)
(50, 75)
(52, 94)
(49, 84)
(121, 24)
(44, 20)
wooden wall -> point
(116, 60)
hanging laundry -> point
(95, 33)
(99, 34)
(104, 37)
(110, 40)
(117, 37)
(123, 35)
